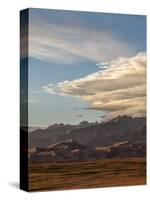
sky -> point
(85, 66)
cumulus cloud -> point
(119, 89)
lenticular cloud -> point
(120, 88)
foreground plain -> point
(87, 174)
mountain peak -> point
(120, 117)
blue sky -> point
(67, 45)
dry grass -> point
(89, 174)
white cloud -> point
(67, 44)
(119, 89)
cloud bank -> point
(119, 89)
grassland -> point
(87, 174)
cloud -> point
(118, 89)
(80, 115)
(65, 43)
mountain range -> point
(123, 136)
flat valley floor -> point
(87, 174)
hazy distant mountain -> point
(33, 128)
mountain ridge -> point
(101, 134)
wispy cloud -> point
(69, 44)
(119, 89)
